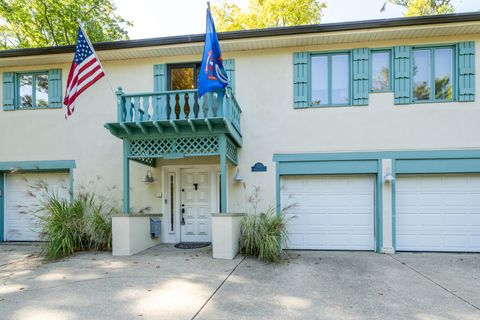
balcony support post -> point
(126, 177)
(223, 173)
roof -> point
(247, 36)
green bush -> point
(262, 234)
(81, 224)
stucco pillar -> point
(387, 217)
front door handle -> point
(183, 219)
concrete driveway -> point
(167, 283)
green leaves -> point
(41, 23)
(267, 14)
(425, 7)
(75, 225)
(262, 234)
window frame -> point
(431, 49)
(329, 55)
(390, 65)
(34, 92)
(170, 66)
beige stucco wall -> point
(264, 90)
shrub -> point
(263, 234)
(81, 224)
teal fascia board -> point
(328, 167)
(430, 154)
(406, 166)
(37, 165)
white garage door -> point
(438, 213)
(330, 212)
(21, 223)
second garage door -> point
(438, 213)
(330, 212)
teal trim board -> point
(379, 208)
(394, 206)
(2, 206)
(44, 165)
(126, 177)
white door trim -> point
(174, 237)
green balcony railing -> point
(178, 105)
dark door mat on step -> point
(192, 245)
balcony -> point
(176, 113)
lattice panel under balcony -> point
(188, 146)
(151, 162)
(232, 152)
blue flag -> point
(212, 75)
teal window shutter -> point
(229, 65)
(55, 88)
(9, 96)
(360, 76)
(300, 79)
(159, 78)
(402, 81)
(466, 71)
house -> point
(370, 129)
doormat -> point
(192, 245)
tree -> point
(40, 23)
(267, 14)
(424, 7)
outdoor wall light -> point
(149, 178)
(237, 177)
(388, 177)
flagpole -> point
(80, 24)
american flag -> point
(85, 71)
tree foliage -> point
(267, 14)
(425, 7)
(40, 23)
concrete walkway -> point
(167, 283)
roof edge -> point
(255, 33)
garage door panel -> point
(438, 212)
(331, 212)
(22, 194)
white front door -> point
(195, 205)
(330, 212)
(438, 212)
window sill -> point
(36, 108)
(382, 91)
(332, 106)
(427, 102)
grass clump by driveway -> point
(71, 225)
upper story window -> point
(330, 79)
(183, 76)
(33, 90)
(381, 71)
(432, 71)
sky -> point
(158, 18)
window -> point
(330, 79)
(183, 76)
(381, 74)
(33, 90)
(433, 74)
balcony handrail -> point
(178, 105)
